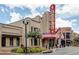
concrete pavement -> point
(66, 51)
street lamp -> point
(25, 22)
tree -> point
(76, 41)
(34, 34)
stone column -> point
(47, 43)
(7, 41)
(28, 42)
(33, 41)
(40, 42)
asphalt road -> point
(66, 51)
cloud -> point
(68, 10)
(32, 7)
(67, 16)
(76, 32)
(66, 23)
(2, 10)
(63, 23)
(34, 10)
(15, 17)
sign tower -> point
(52, 18)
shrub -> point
(32, 50)
(26, 50)
(36, 50)
(29, 50)
(14, 50)
(19, 50)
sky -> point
(67, 15)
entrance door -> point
(63, 43)
(51, 43)
(3, 41)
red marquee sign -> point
(52, 11)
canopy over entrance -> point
(50, 35)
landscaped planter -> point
(29, 50)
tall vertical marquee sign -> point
(52, 18)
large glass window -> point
(68, 35)
(11, 41)
(35, 29)
(18, 41)
(31, 42)
(3, 41)
(35, 41)
(31, 28)
(39, 41)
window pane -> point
(35, 41)
(68, 35)
(3, 41)
(31, 28)
(18, 41)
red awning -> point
(50, 36)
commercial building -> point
(38, 23)
(66, 35)
(10, 36)
(13, 35)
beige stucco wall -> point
(7, 42)
(6, 29)
(45, 25)
(35, 22)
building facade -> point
(10, 36)
(13, 35)
(66, 35)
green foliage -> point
(33, 34)
(19, 50)
(33, 50)
(36, 50)
(76, 41)
(29, 50)
(14, 50)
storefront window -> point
(18, 41)
(35, 41)
(68, 35)
(3, 41)
(31, 28)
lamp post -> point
(25, 22)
